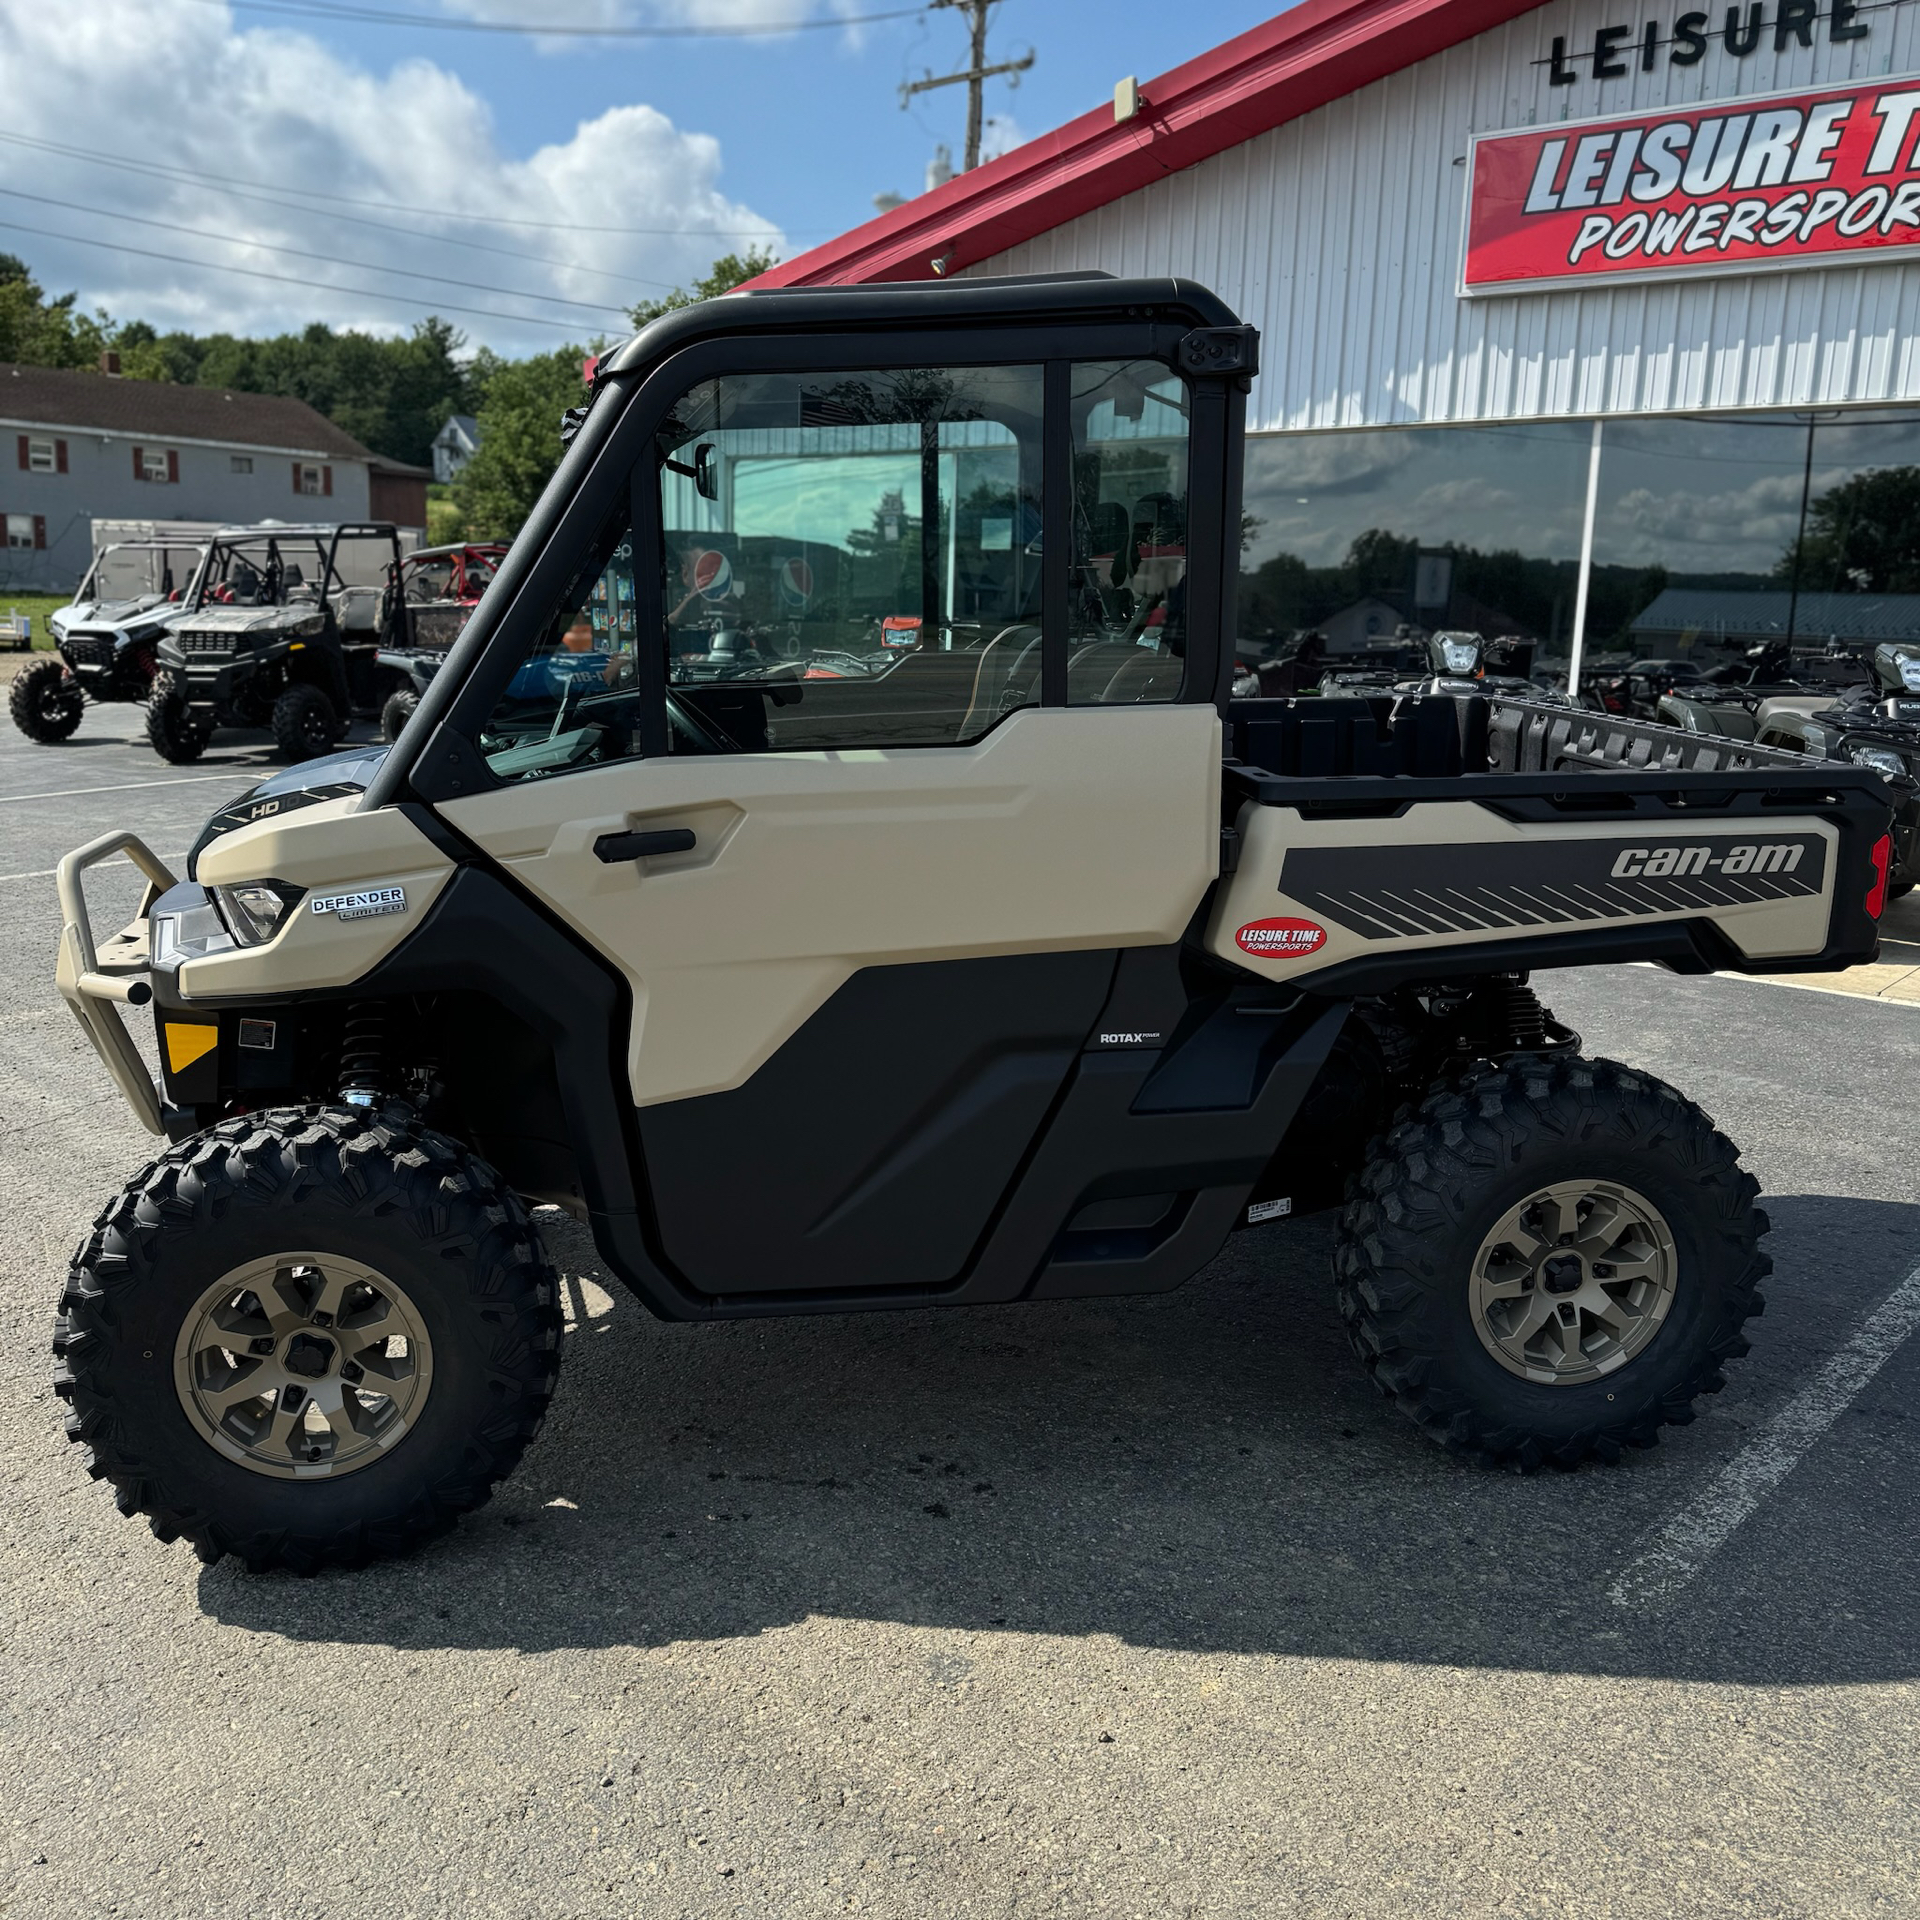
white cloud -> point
(176, 85)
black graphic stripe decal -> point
(1395, 893)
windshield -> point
(131, 572)
(268, 571)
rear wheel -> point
(45, 702)
(397, 712)
(1550, 1261)
(172, 730)
(304, 723)
(308, 1338)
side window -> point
(853, 559)
(574, 701)
(1128, 595)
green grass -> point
(39, 605)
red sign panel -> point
(1791, 179)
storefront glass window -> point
(1353, 534)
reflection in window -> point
(1355, 535)
(853, 559)
(1128, 594)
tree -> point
(40, 332)
(726, 273)
(1861, 536)
(519, 441)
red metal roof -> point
(1273, 73)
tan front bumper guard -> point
(96, 982)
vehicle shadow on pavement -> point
(1205, 1470)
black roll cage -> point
(326, 540)
(1048, 321)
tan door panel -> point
(1062, 829)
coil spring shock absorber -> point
(363, 1054)
(1520, 1017)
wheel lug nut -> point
(1566, 1240)
(262, 1345)
(1601, 1272)
(350, 1371)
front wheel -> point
(304, 723)
(308, 1338)
(1548, 1262)
(172, 730)
(397, 712)
(45, 701)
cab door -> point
(862, 738)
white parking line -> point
(1676, 1551)
(129, 786)
(119, 860)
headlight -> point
(1880, 759)
(1459, 656)
(191, 932)
(255, 910)
(1910, 673)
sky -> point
(200, 163)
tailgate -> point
(1520, 836)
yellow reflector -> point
(185, 1045)
(297, 646)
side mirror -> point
(706, 478)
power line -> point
(163, 170)
(975, 74)
(284, 279)
(299, 253)
(383, 17)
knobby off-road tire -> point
(1428, 1242)
(304, 723)
(397, 712)
(428, 1243)
(45, 703)
(172, 732)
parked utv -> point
(441, 586)
(1027, 966)
(106, 639)
(282, 630)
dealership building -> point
(1570, 315)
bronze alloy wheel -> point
(302, 1366)
(1573, 1282)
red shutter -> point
(326, 480)
(296, 476)
(139, 465)
(173, 468)
(25, 456)
(59, 456)
(40, 530)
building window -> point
(314, 481)
(26, 530)
(156, 465)
(39, 455)
(240, 463)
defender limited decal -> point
(1393, 893)
(1280, 939)
(362, 905)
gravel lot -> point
(1115, 1608)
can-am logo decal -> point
(362, 905)
(1657, 863)
(1281, 939)
(1790, 179)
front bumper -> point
(97, 980)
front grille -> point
(217, 643)
(90, 650)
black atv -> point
(1875, 723)
(106, 639)
(276, 634)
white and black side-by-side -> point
(830, 862)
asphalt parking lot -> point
(1109, 1608)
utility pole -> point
(976, 74)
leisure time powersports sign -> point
(1785, 180)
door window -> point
(853, 559)
(1127, 605)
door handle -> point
(615, 847)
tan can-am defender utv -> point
(959, 943)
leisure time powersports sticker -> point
(1281, 939)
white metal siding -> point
(1339, 236)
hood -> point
(149, 610)
(328, 778)
(246, 620)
